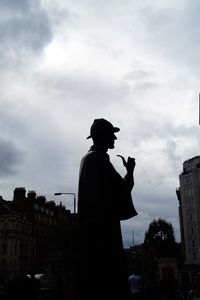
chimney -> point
(31, 195)
(19, 194)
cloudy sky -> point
(66, 62)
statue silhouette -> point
(104, 199)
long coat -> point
(103, 201)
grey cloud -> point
(26, 27)
(140, 79)
(156, 126)
(172, 153)
(84, 90)
(31, 32)
(145, 85)
(175, 144)
(139, 74)
(12, 121)
(13, 5)
(172, 33)
(158, 19)
(10, 157)
(191, 19)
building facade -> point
(35, 235)
(189, 210)
(15, 242)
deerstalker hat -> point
(101, 127)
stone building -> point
(189, 210)
(35, 235)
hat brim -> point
(114, 129)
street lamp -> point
(57, 194)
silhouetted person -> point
(104, 199)
(36, 285)
(136, 285)
(194, 293)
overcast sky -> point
(66, 62)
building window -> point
(188, 190)
(188, 203)
(36, 206)
(4, 248)
(187, 179)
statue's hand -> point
(129, 164)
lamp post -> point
(57, 194)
